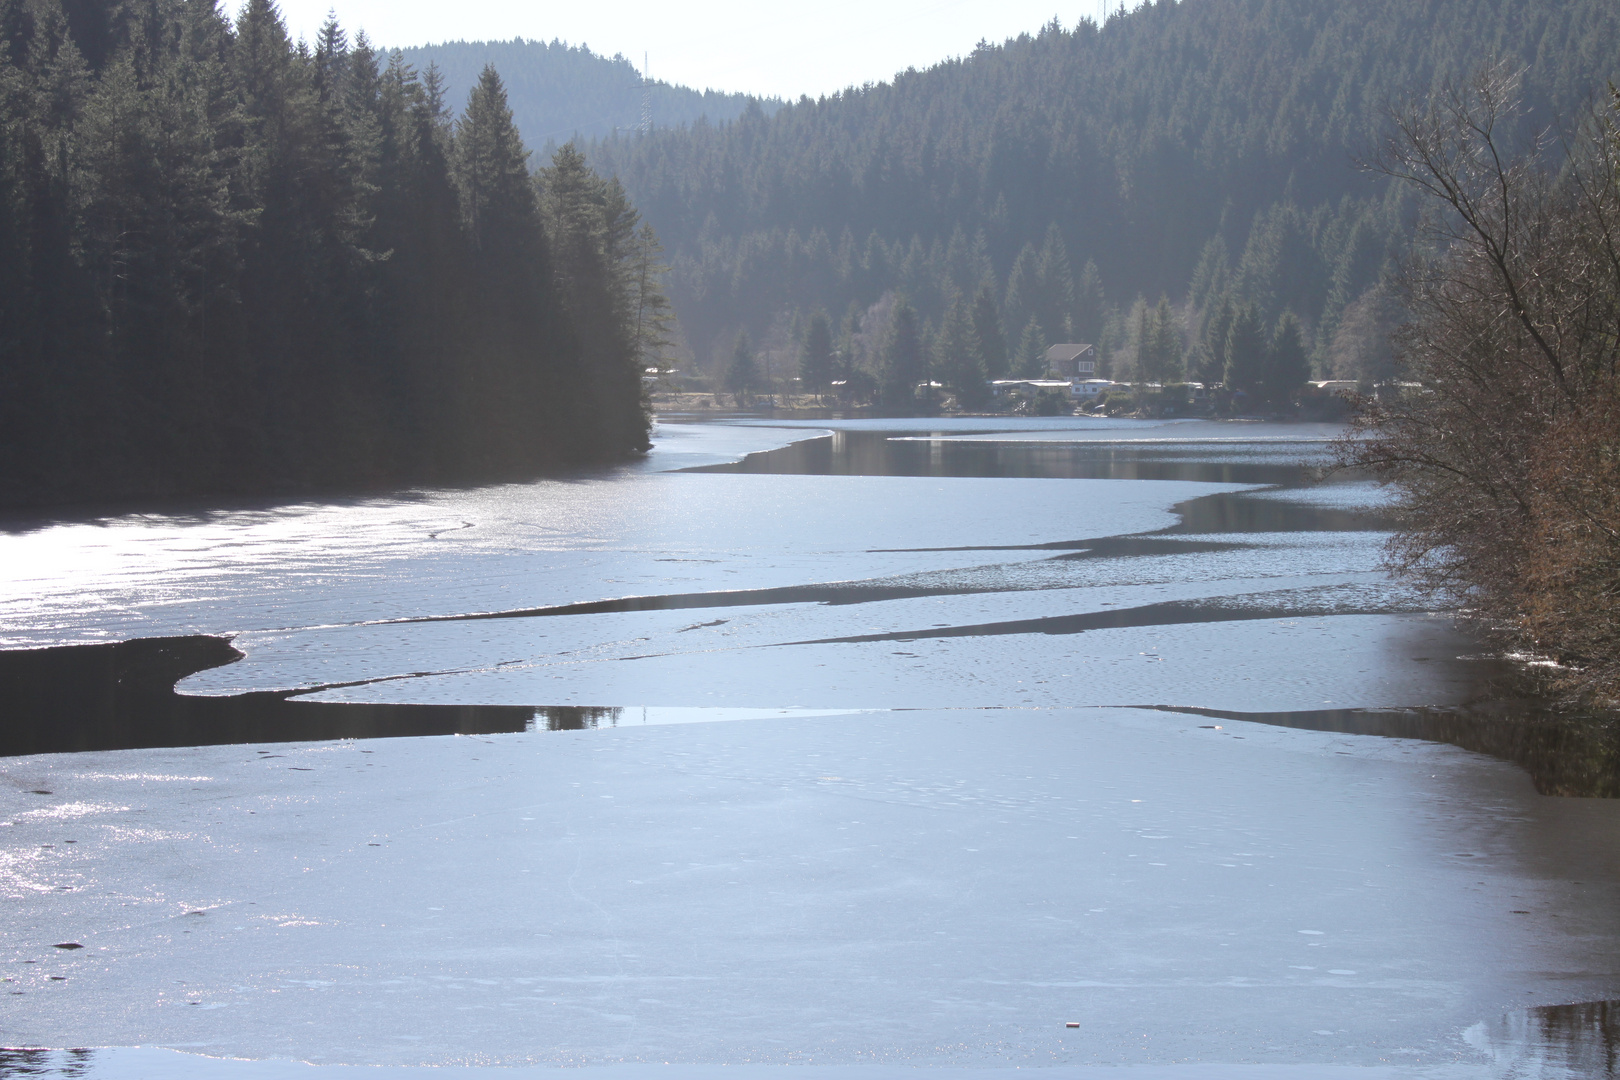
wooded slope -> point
(231, 264)
(1203, 150)
(559, 91)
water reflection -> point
(573, 718)
(883, 453)
(1555, 1042)
(1567, 754)
(1234, 512)
(51, 1063)
(1284, 465)
(121, 697)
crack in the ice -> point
(463, 527)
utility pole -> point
(646, 97)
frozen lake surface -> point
(937, 810)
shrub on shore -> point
(1506, 455)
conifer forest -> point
(1209, 154)
(230, 263)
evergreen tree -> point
(592, 229)
(1032, 348)
(1166, 362)
(958, 356)
(331, 57)
(1288, 367)
(816, 356)
(742, 373)
(517, 291)
(654, 318)
(1247, 352)
(1090, 306)
(1142, 335)
(1022, 301)
(1209, 279)
(904, 362)
(1210, 363)
(425, 293)
(1055, 289)
(845, 359)
(992, 339)
(492, 169)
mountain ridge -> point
(559, 91)
(1203, 151)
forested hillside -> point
(558, 91)
(1201, 151)
(232, 264)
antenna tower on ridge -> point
(646, 97)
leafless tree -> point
(1503, 451)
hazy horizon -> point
(718, 44)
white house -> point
(1087, 389)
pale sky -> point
(775, 49)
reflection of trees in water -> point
(1570, 755)
(1577, 756)
(573, 718)
(120, 696)
(1560, 1040)
(58, 1063)
(882, 453)
(1511, 714)
(1586, 1036)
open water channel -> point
(857, 746)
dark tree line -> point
(229, 263)
(1201, 151)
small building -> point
(1088, 389)
(1071, 362)
(1076, 389)
(1030, 386)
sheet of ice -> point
(929, 848)
(688, 444)
(529, 545)
(1267, 665)
(143, 1063)
(752, 655)
(908, 889)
